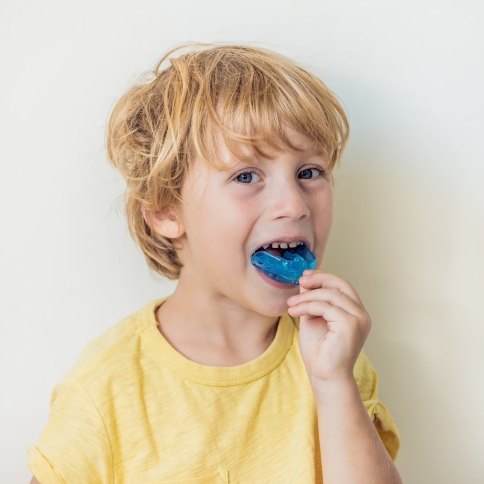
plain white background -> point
(409, 215)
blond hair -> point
(246, 94)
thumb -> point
(301, 288)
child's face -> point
(229, 213)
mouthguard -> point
(288, 268)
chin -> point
(273, 308)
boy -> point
(227, 151)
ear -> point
(164, 222)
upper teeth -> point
(283, 245)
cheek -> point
(323, 220)
(323, 208)
(214, 232)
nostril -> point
(293, 207)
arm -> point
(34, 481)
(333, 328)
(351, 449)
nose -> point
(289, 201)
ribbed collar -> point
(162, 351)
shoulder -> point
(100, 391)
(114, 350)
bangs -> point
(249, 99)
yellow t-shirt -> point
(134, 410)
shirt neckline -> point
(167, 356)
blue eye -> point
(308, 173)
(247, 177)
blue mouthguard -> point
(288, 268)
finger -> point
(332, 296)
(315, 279)
(334, 316)
(330, 313)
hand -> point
(333, 325)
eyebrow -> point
(237, 164)
(256, 158)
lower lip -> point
(274, 283)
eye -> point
(310, 173)
(247, 177)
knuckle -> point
(366, 323)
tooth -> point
(283, 245)
(293, 244)
(275, 245)
(265, 246)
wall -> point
(409, 201)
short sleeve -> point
(367, 380)
(74, 447)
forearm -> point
(351, 449)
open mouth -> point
(278, 248)
(283, 261)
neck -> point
(211, 329)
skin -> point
(333, 327)
(234, 312)
(232, 318)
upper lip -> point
(285, 238)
